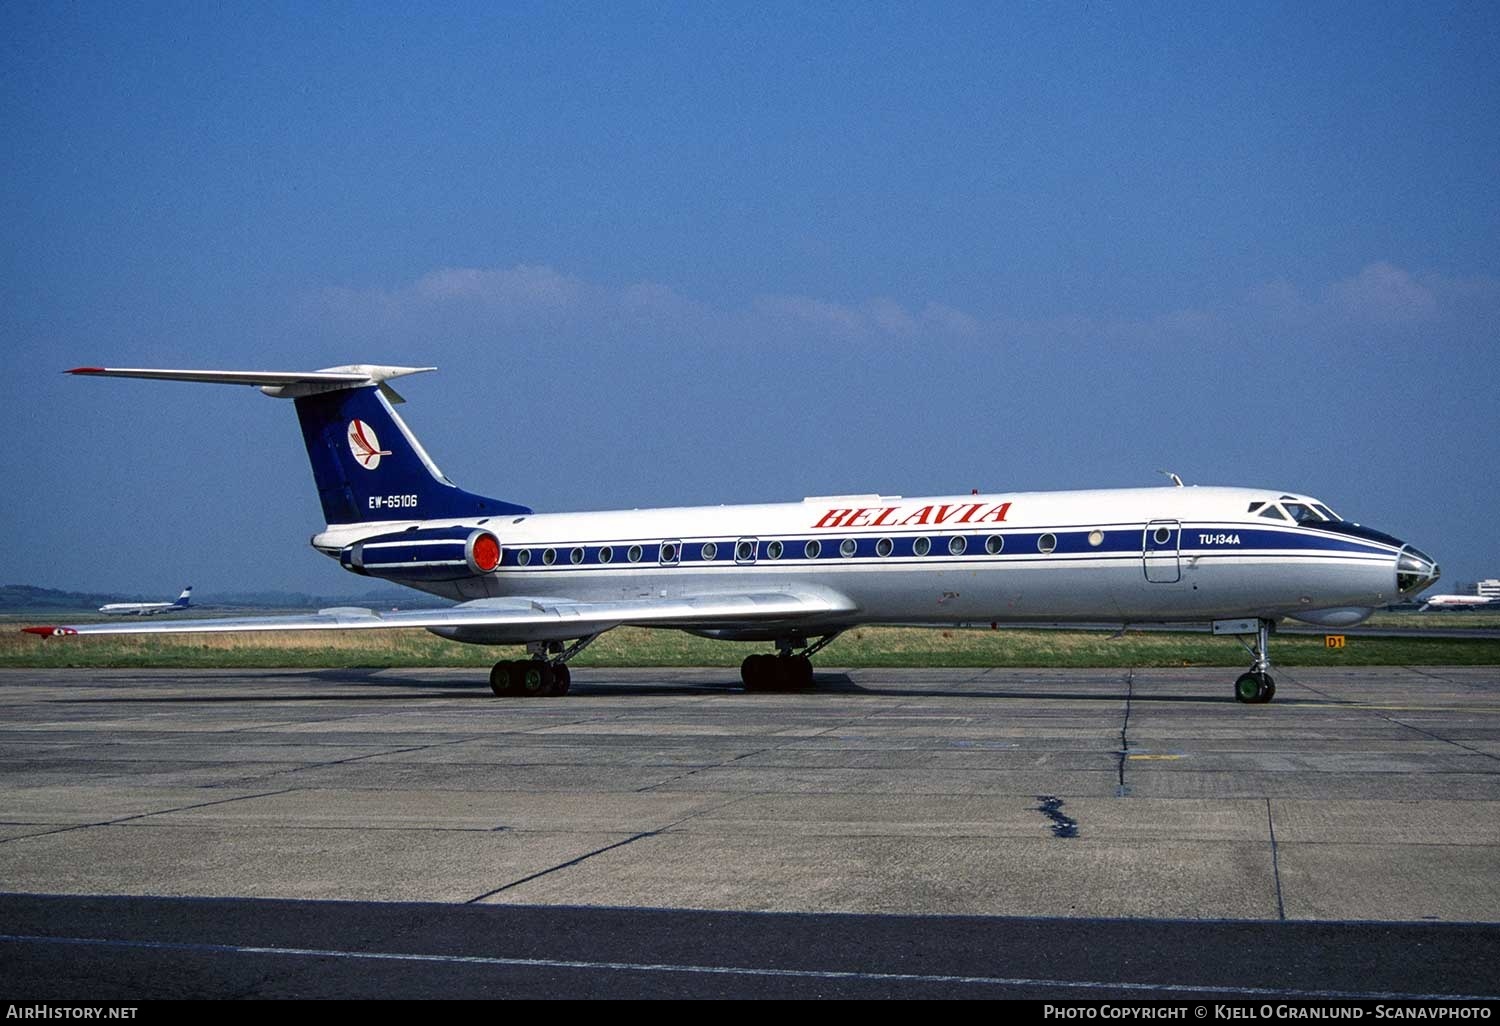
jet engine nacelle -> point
(425, 554)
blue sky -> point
(672, 254)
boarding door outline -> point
(1160, 546)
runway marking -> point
(1154, 758)
(1479, 709)
(717, 970)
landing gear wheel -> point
(762, 673)
(1254, 687)
(504, 678)
(535, 678)
(1247, 688)
(562, 679)
(750, 672)
(797, 671)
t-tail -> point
(185, 599)
(366, 463)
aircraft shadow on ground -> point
(826, 685)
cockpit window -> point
(1328, 514)
(1254, 506)
(1273, 512)
(1303, 513)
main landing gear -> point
(1257, 686)
(786, 670)
(546, 674)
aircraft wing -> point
(517, 618)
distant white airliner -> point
(1457, 602)
(796, 574)
(150, 608)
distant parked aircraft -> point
(149, 608)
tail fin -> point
(185, 599)
(369, 466)
(366, 463)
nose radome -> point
(1415, 570)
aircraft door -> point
(1159, 551)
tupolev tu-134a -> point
(794, 574)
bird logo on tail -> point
(365, 445)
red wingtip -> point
(85, 370)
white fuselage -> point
(138, 608)
(1126, 555)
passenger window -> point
(606, 555)
(883, 547)
(994, 545)
(813, 549)
(956, 545)
(848, 547)
(1046, 543)
(922, 546)
(710, 551)
(634, 554)
(524, 557)
(576, 556)
(773, 550)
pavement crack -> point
(353, 758)
(1123, 755)
(730, 762)
(147, 815)
(1275, 862)
(563, 865)
(1398, 721)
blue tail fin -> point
(369, 466)
(185, 598)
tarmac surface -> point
(1017, 833)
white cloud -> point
(525, 294)
(512, 287)
(1382, 300)
(1382, 294)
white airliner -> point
(796, 574)
(1457, 602)
(149, 608)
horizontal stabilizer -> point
(280, 384)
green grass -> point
(865, 647)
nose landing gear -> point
(1256, 686)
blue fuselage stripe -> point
(1191, 541)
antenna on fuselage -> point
(1175, 479)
